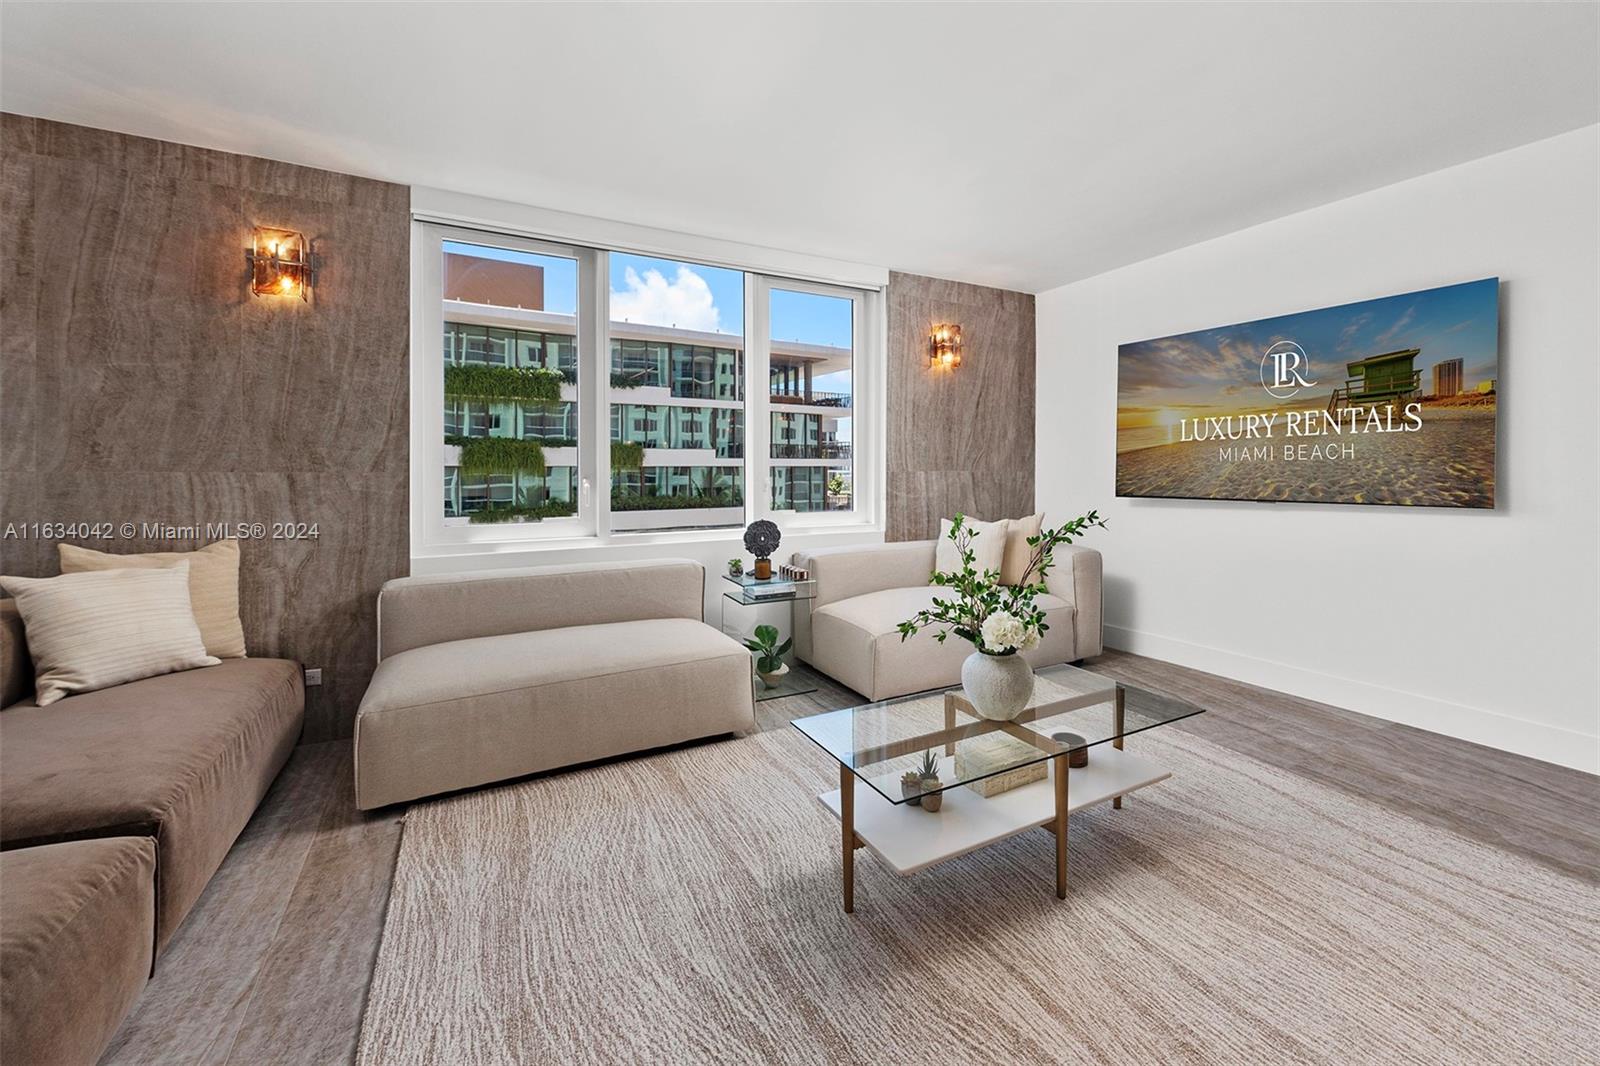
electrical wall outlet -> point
(313, 675)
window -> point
(581, 393)
(810, 370)
(510, 372)
(677, 369)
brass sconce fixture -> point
(944, 347)
(280, 263)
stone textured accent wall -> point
(962, 439)
(141, 382)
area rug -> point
(684, 908)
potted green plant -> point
(735, 567)
(998, 620)
(928, 782)
(770, 666)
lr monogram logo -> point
(1281, 370)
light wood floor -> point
(272, 965)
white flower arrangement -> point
(997, 619)
(1004, 632)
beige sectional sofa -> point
(487, 676)
(850, 630)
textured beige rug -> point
(685, 908)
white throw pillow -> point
(988, 546)
(93, 630)
(213, 586)
(1018, 551)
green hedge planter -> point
(499, 455)
(627, 455)
(630, 501)
(488, 383)
(534, 513)
(495, 451)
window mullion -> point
(757, 398)
(594, 298)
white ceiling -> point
(1015, 145)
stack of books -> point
(754, 588)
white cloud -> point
(1347, 335)
(1398, 328)
(685, 302)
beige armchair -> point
(850, 630)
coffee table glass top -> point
(881, 741)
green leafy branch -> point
(979, 595)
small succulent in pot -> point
(735, 567)
(761, 540)
(932, 798)
(911, 787)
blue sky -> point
(1220, 368)
(665, 292)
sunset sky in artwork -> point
(1217, 371)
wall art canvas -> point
(1388, 401)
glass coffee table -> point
(996, 779)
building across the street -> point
(678, 393)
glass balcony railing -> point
(824, 450)
(811, 397)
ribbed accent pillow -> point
(213, 586)
(1018, 553)
(94, 630)
(988, 546)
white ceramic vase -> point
(997, 686)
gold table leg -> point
(1116, 741)
(1060, 828)
(847, 827)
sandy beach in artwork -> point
(1449, 462)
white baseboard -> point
(1564, 747)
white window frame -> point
(440, 216)
(865, 386)
(430, 528)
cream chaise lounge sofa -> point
(488, 676)
(850, 630)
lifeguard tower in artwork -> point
(1379, 379)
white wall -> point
(1493, 635)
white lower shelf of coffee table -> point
(910, 839)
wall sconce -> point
(944, 347)
(280, 263)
